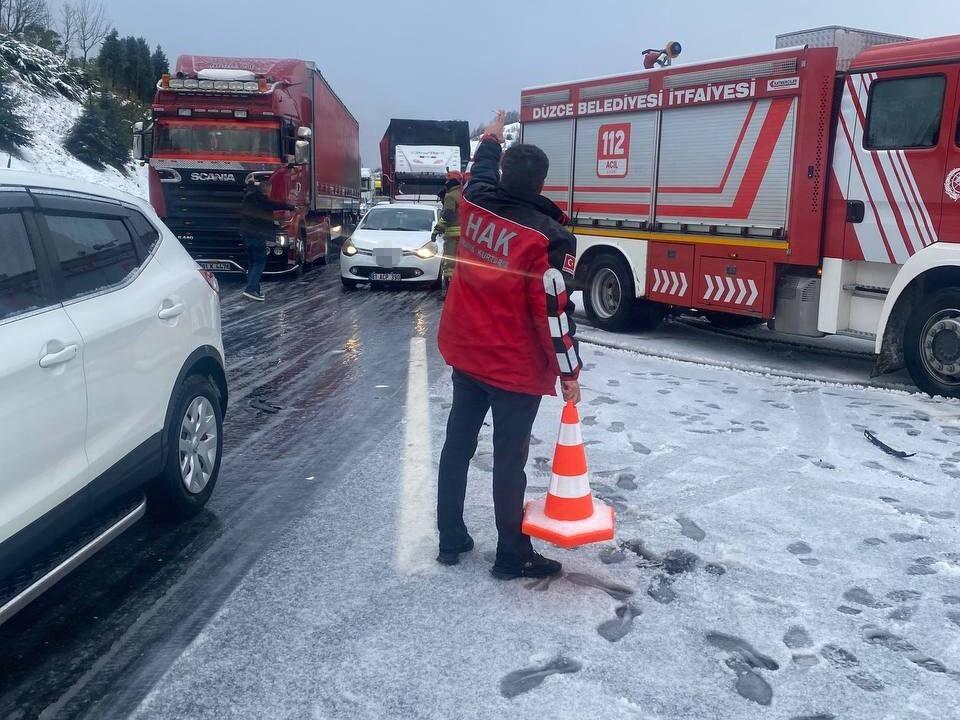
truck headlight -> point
(283, 240)
(428, 251)
(348, 249)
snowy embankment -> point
(51, 101)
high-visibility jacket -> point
(508, 318)
(449, 222)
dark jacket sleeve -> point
(486, 163)
(550, 295)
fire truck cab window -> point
(905, 113)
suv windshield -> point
(249, 140)
(397, 218)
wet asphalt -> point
(317, 378)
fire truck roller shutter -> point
(727, 165)
(555, 138)
(613, 169)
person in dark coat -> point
(507, 330)
(257, 228)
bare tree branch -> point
(93, 26)
(67, 28)
(17, 15)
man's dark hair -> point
(524, 168)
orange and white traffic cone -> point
(569, 516)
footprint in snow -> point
(618, 627)
(640, 448)
(884, 638)
(526, 679)
(613, 383)
(614, 590)
(744, 660)
(612, 555)
(604, 400)
(589, 420)
(626, 481)
(688, 528)
(541, 464)
(800, 548)
(862, 596)
(661, 589)
(616, 427)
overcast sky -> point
(460, 60)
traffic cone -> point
(569, 516)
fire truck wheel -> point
(931, 344)
(609, 296)
(729, 321)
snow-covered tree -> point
(14, 133)
(100, 136)
(160, 65)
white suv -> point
(112, 383)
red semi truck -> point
(817, 186)
(218, 120)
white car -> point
(392, 244)
(112, 383)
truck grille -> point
(206, 218)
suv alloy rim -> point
(198, 444)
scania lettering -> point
(219, 177)
(217, 122)
(814, 186)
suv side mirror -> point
(304, 133)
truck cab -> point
(216, 124)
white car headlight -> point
(348, 249)
(428, 251)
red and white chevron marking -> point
(669, 282)
(730, 290)
(897, 223)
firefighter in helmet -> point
(449, 227)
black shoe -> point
(452, 557)
(251, 295)
(532, 565)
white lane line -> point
(416, 537)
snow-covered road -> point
(770, 563)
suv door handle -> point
(58, 358)
(168, 313)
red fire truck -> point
(218, 120)
(817, 186)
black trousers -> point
(256, 261)
(513, 416)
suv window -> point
(147, 233)
(20, 289)
(905, 113)
(94, 252)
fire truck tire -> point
(931, 343)
(729, 321)
(609, 297)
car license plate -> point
(385, 276)
(207, 265)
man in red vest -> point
(507, 330)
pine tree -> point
(100, 136)
(146, 80)
(160, 64)
(14, 133)
(109, 61)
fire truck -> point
(216, 122)
(816, 186)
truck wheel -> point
(610, 300)
(729, 321)
(194, 446)
(931, 344)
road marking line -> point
(416, 538)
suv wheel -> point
(194, 445)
